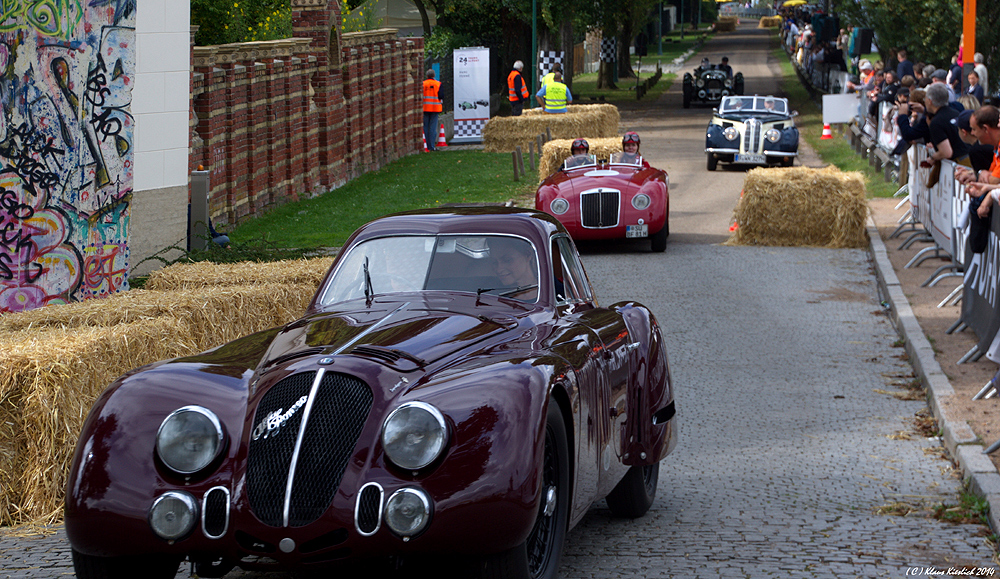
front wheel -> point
(713, 162)
(659, 239)
(538, 557)
(634, 494)
(152, 567)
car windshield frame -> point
(617, 158)
(421, 262)
(756, 105)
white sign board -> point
(472, 93)
(839, 108)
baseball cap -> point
(864, 64)
(963, 120)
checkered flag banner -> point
(608, 49)
(547, 59)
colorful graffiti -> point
(65, 149)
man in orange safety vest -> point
(517, 92)
(432, 108)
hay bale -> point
(506, 134)
(726, 24)
(52, 373)
(556, 151)
(207, 274)
(769, 22)
(802, 206)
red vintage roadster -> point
(453, 389)
(618, 199)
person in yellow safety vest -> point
(552, 74)
(432, 108)
(517, 92)
(554, 96)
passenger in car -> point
(630, 148)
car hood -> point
(402, 334)
(576, 181)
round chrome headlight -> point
(173, 515)
(559, 206)
(773, 135)
(731, 133)
(189, 439)
(641, 201)
(414, 435)
(701, 82)
(407, 512)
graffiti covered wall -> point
(65, 149)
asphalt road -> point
(790, 448)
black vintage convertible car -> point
(752, 130)
(453, 391)
(708, 84)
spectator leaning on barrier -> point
(944, 138)
(554, 96)
(980, 154)
(984, 124)
(867, 82)
(911, 121)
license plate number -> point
(637, 230)
(750, 158)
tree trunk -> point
(424, 20)
(566, 38)
(604, 76)
(624, 60)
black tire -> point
(713, 162)
(789, 162)
(538, 557)
(658, 241)
(635, 493)
(687, 98)
(149, 567)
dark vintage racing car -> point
(617, 199)
(453, 390)
(708, 85)
(752, 130)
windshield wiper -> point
(369, 290)
(509, 291)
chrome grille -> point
(599, 209)
(338, 411)
(215, 512)
(751, 136)
(368, 512)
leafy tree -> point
(928, 29)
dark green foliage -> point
(225, 21)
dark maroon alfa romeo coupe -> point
(453, 389)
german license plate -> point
(637, 230)
(750, 158)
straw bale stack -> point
(726, 23)
(506, 134)
(207, 274)
(769, 22)
(556, 151)
(59, 359)
(802, 206)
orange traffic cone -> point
(424, 137)
(441, 140)
(734, 227)
(827, 133)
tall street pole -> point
(534, 50)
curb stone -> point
(961, 442)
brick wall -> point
(277, 120)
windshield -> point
(579, 161)
(484, 264)
(755, 104)
(621, 158)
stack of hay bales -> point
(802, 206)
(726, 23)
(769, 22)
(506, 134)
(58, 359)
(556, 151)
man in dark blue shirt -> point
(905, 67)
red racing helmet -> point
(630, 137)
(580, 144)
